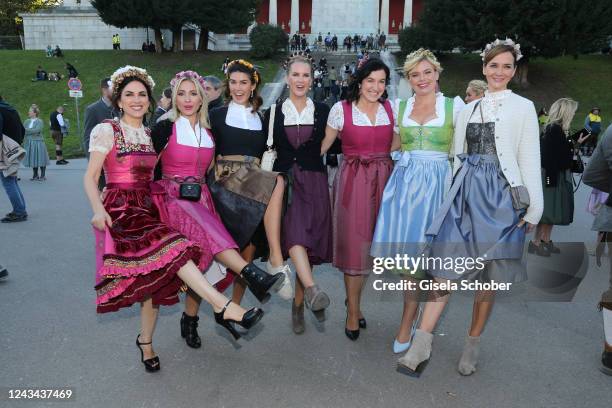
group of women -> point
(392, 194)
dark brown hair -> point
(499, 49)
(254, 99)
(117, 95)
(364, 71)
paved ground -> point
(534, 354)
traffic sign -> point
(75, 94)
(74, 84)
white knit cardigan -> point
(517, 142)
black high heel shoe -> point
(351, 334)
(151, 364)
(189, 331)
(260, 282)
(362, 322)
(249, 319)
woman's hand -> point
(530, 227)
(581, 139)
(101, 220)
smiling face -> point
(373, 86)
(240, 87)
(299, 79)
(188, 99)
(423, 78)
(499, 71)
(134, 100)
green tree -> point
(222, 17)
(157, 14)
(267, 40)
(10, 22)
(544, 28)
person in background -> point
(592, 123)
(598, 174)
(57, 52)
(72, 72)
(557, 153)
(475, 90)
(10, 125)
(163, 105)
(56, 120)
(41, 74)
(36, 150)
(213, 89)
(542, 118)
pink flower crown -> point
(187, 74)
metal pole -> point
(76, 104)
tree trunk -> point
(176, 39)
(159, 44)
(203, 42)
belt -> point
(239, 158)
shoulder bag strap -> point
(270, 140)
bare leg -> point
(353, 285)
(299, 293)
(191, 275)
(232, 259)
(483, 305)
(432, 311)
(192, 303)
(148, 318)
(299, 256)
(240, 286)
(411, 304)
(272, 222)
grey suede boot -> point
(469, 358)
(414, 361)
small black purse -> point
(189, 189)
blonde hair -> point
(34, 108)
(174, 113)
(478, 86)
(562, 112)
(419, 55)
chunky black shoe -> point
(539, 250)
(249, 319)
(12, 217)
(189, 331)
(260, 282)
(3, 272)
(606, 362)
(551, 247)
(151, 364)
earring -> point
(252, 93)
(121, 111)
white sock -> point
(607, 318)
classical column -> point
(272, 12)
(407, 13)
(295, 16)
(384, 17)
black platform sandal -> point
(151, 364)
(249, 319)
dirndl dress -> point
(138, 257)
(477, 219)
(34, 145)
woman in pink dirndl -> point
(186, 149)
(364, 123)
(138, 257)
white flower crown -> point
(130, 71)
(507, 41)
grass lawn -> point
(587, 79)
(19, 67)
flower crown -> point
(247, 64)
(187, 74)
(420, 54)
(507, 41)
(130, 71)
(299, 56)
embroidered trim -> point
(124, 148)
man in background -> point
(213, 88)
(96, 113)
(56, 120)
(163, 106)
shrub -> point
(267, 40)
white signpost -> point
(74, 86)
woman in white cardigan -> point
(495, 199)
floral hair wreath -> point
(130, 71)
(187, 74)
(507, 41)
(421, 53)
(247, 64)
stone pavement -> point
(534, 354)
